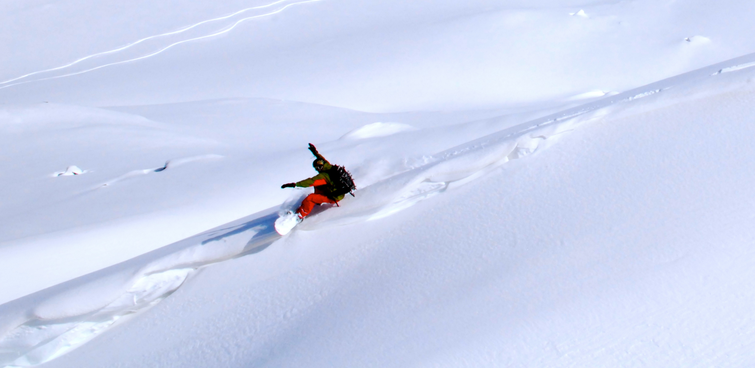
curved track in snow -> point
(154, 45)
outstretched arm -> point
(317, 154)
(314, 181)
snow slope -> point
(652, 279)
(521, 203)
(389, 55)
(148, 183)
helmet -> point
(318, 164)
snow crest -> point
(377, 130)
(75, 312)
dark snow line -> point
(168, 164)
(8, 83)
(735, 68)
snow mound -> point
(377, 130)
(580, 13)
(61, 117)
(698, 40)
(70, 171)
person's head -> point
(319, 165)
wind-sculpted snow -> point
(148, 47)
(72, 313)
(45, 325)
(378, 129)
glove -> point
(313, 149)
(288, 185)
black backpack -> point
(342, 181)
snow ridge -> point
(57, 325)
(42, 340)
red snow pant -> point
(310, 202)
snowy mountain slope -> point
(373, 56)
(624, 244)
(562, 229)
(187, 169)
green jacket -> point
(322, 183)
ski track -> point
(33, 337)
(223, 30)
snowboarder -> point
(332, 183)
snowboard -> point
(286, 222)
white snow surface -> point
(540, 183)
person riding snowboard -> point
(332, 183)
